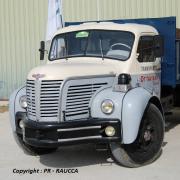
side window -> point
(146, 49)
(58, 49)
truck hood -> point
(63, 69)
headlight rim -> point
(111, 102)
(21, 101)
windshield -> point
(96, 43)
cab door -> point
(149, 63)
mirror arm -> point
(41, 50)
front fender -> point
(134, 104)
(107, 93)
(129, 109)
(14, 105)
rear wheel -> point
(32, 150)
(147, 146)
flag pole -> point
(62, 13)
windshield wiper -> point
(66, 48)
(101, 47)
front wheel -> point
(147, 146)
(31, 150)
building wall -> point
(82, 10)
(23, 25)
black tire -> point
(148, 145)
(31, 150)
(177, 96)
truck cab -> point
(101, 84)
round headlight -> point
(23, 101)
(107, 106)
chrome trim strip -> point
(91, 76)
(80, 138)
(79, 128)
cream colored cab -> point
(102, 49)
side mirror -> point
(42, 50)
(158, 46)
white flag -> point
(55, 19)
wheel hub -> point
(147, 135)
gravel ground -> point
(89, 163)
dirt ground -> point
(89, 163)
(3, 109)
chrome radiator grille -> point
(77, 96)
(49, 98)
(30, 92)
(43, 99)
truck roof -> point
(132, 27)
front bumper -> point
(50, 134)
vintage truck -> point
(104, 82)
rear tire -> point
(31, 150)
(147, 146)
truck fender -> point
(134, 105)
(14, 105)
(97, 100)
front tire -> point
(31, 150)
(147, 146)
